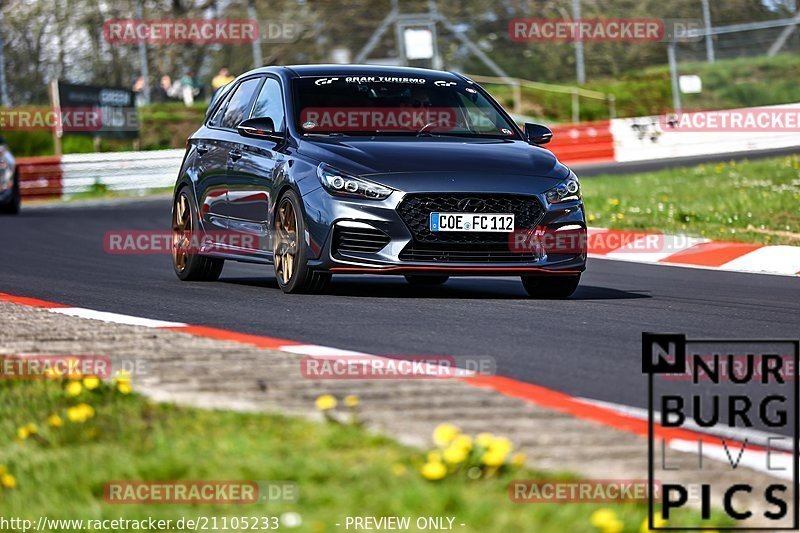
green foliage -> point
(749, 201)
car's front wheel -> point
(189, 266)
(11, 207)
(291, 263)
(554, 287)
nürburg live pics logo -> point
(723, 432)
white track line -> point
(115, 318)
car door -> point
(210, 166)
(227, 151)
(253, 174)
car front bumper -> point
(386, 238)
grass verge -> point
(62, 442)
(748, 201)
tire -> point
(426, 280)
(289, 252)
(552, 287)
(13, 205)
(189, 266)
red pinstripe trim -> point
(378, 270)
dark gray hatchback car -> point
(322, 169)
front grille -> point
(415, 210)
(358, 239)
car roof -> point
(303, 71)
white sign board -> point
(419, 43)
(690, 84)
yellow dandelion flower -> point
(601, 517)
(462, 441)
(73, 388)
(399, 469)
(54, 421)
(351, 400)
(87, 409)
(3, 470)
(614, 526)
(620, 216)
(444, 434)
(658, 522)
(434, 457)
(484, 439)
(8, 481)
(124, 387)
(433, 471)
(494, 458)
(454, 455)
(23, 433)
(518, 459)
(80, 413)
(501, 445)
(91, 382)
(326, 402)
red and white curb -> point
(680, 250)
(618, 417)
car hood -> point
(411, 155)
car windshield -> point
(396, 105)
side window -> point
(217, 117)
(239, 104)
(270, 104)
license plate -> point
(477, 222)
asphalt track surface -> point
(587, 346)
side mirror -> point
(259, 128)
(538, 134)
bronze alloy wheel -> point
(181, 232)
(189, 264)
(285, 241)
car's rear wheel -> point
(185, 234)
(291, 263)
(427, 280)
(11, 207)
(554, 287)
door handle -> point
(235, 154)
(202, 149)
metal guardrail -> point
(120, 170)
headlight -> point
(341, 184)
(566, 191)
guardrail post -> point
(612, 106)
(576, 109)
(517, 93)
